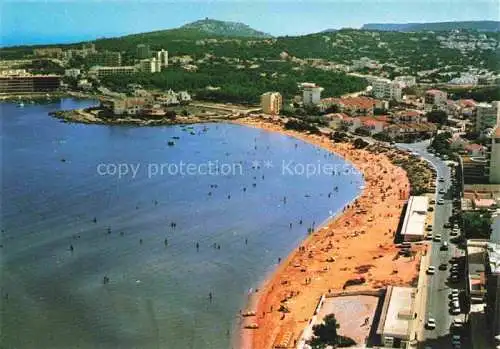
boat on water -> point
(21, 105)
(171, 143)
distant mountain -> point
(486, 26)
(224, 28)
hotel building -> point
(271, 103)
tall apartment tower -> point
(494, 157)
(271, 103)
(162, 57)
(143, 51)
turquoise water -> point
(67, 223)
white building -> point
(413, 228)
(396, 316)
(435, 100)
(387, 89)
(406, 80)
(150, 65)
(494, 155)
(311, 93)
(487, 116)
(98, 72)
(162, 57)
(184, 97)
(271, 103)
(72, 73)
(84, 84)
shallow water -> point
(54, 184)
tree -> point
(171, 114)
(326, 334)
(437, 117)
(382, 136)
(477, 224)
(360, 143)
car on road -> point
(443, 266)
(429, 227)
(428, 237)
(440, 202)
(431, 270)
(431, 323)
(442, 191)
(454, 293)
(441, 179)
(447, 225)
(437, 237)
(454, 279)
(432, 202)
(455, 232)
(456, 339)
(458, 322)
(444, 246)
(455, 311)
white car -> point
(431, 270)
(440, 202)
(431, 323)
(437, 237)
(454, 293)
(442, 191)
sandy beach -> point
(357, 243)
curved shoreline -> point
(285, 282)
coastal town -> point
(414, 260)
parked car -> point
(440, 202)
(444, 246)
(443, 266)
(431, 323)
(437, 237)
(431, 270)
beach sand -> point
(362, 236)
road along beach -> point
(356, 245)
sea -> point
(148, 237)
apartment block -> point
(271, 103)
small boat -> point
(171, 143)
(21, 105)
(176, 137)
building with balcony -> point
(387, 89)
(487, 116)
(435, 100)
(150, 65)
(48, 52)
(492, 298)
(99, 72)
(406, 80)
(106, 58)
(271, 103)
(143, 51)
(311, 93)
(493, 150)
(162, 57)
(474, 169)
(29, 83)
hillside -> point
(483, 26)
(225, 28)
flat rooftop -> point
(415, 217)
(397, 312)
